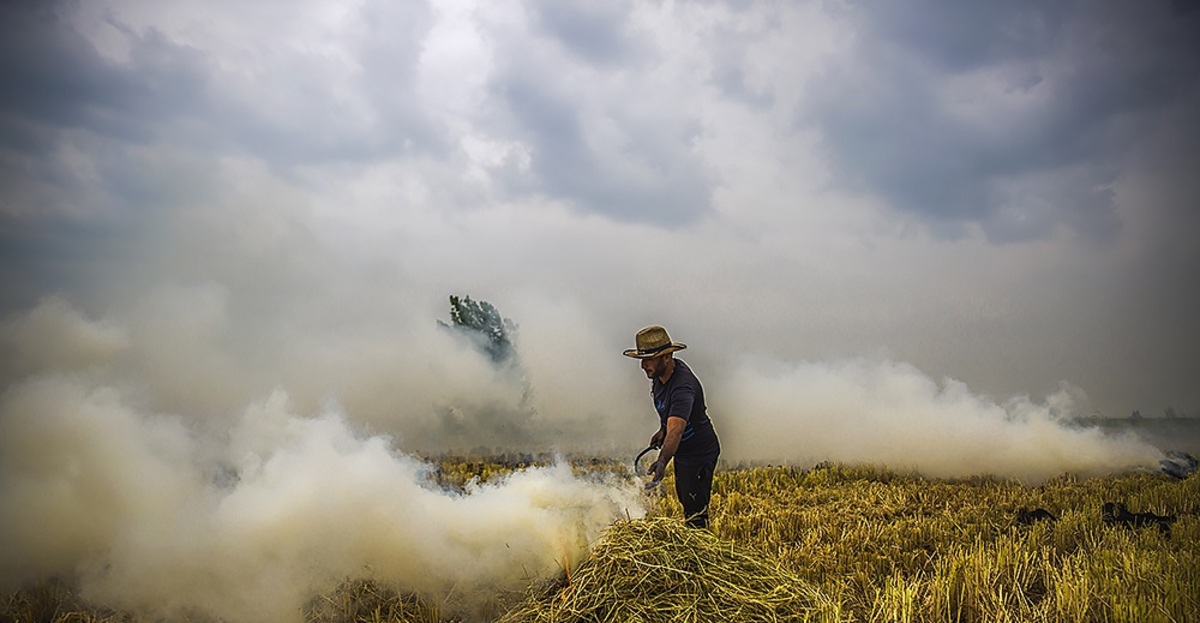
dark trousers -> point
(693, 485)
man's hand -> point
(656, 440)
(668, 438)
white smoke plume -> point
(889, 413)
(175, 463)
(55, 336)
(156, 521)
(255, 219)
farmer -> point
(685, 433)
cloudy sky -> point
(916, 233)
(215, 200)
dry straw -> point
(658, 569)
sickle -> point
(637, 469)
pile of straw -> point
(660, 570)
(366, 601)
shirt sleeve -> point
(682, 399)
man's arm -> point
(675, 426)
(656, 441)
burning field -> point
(832, 543)
(932, 263)
(145, 475)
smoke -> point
(184, 458)
(55, 336)
(202, 352)
(157, 519)
(889, 413)
(135, 457)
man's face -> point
(654, 366)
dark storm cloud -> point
(310, 109)
(955, 36)
(69, 118)
(596, 32)
(653, 180)
(390, 53)
(288, 113)
(599, 135)
(1070, 88)
(52, 76)
(62, 103)
(91, 145)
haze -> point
(922, 234)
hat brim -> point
(636, 354)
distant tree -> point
(501, 419)
(482, 323)
(1170, 412)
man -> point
(685, 432)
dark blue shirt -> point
(683, 396)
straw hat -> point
(652, 342)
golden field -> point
(833, 543)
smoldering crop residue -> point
(248, 525)
(130, 459)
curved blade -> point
(637, 469)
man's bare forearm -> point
(670, 445)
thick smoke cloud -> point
(249, 524)
(148, 458)
(1009, 178)
(227, 236)
(54, 336)
(888, 413)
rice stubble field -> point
(831, 543)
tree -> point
(499, 419)
(482, 323)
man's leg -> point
(693, 485)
